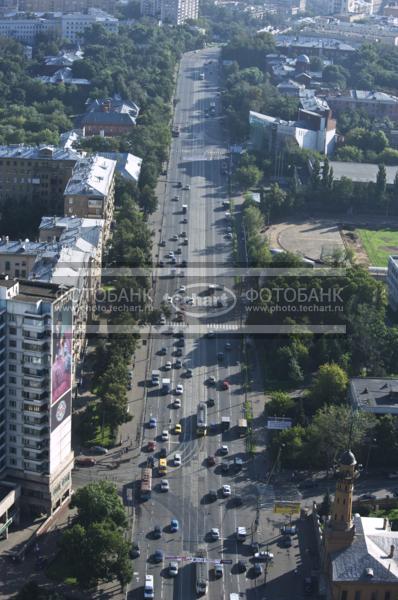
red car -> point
(225, 385)
(151, 446)
(211, 461)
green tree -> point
(325, 173)
(315, 174)
(99, 501)
(330, 385)
(280, 405)
(381, 182)
(247, 176)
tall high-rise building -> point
(36, 337)
(177, 12)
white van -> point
(148, 589)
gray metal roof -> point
(360, 172)
(370, 549)
(38, 152)
(92, 175)
(376, 395)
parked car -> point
(157, 556)
(218, 570)
(151, 446)
(99, 450)
(214, 533)
(211, 461)
(164, 485)
(152, 423)
(223, 450)
(174, 525)
(134, 551)
(212, 495)
(173, 568)
(225, 385)
(226, 491)
(157, 532)
(263, 556)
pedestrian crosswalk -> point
(192, 156)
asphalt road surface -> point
(196, 160)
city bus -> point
(201, 419)
(146, 484)
(201, 572)
(162, 469)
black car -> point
(178, 352)
(225, 467)
(134, 551)
(181, 342)
(210, 402)
(157, 556)
(150, 461)
(212, 495)
(163, 453)
(184, 263)
(286, 541)
(157, 532)
(241, 566)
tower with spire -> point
(339, 531)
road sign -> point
(279, 423)
(200, 559)
(285, 507)
(226, 561)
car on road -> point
(157, 532)
(177, 403)
(225, 385)
(170, 254)
(257, 569)
(164, 485)
(177, 459)
(178, 352)
(174, 199)
(179, 184)
(151, 446)
(162, 351)
(182, 289)
(214, 533)
(177, 428)
(184, 263)
(289, 530)
(211, 461)
(152, 423)
(286, 541)
(157, 556)
(162, 243)
(263, 556)
(238, 463)
(99, 450)
(211, 380)
(218, 570)
(134, 551)
(150, 462)
(225, 467)
(226, 491)
(173, 568)
(211, 402)
(187, 187)
(167, 366)
(163, 453)
(181, 342)
(241, 566)
(223, 450)
(165, 435)
(160, 264)
(179, 389)
(174, 525)
(174, 237)
(178, 364)
(188, 373)
(185, 220)
(212, 495)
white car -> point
(177, 460)
(226, 491)
(170, 254)
(182, 289)
(263, 556)
(167, 366)
(163, 320)
(177, 403)
(223, 450)
(215, 533)
(164, 485)
(174, 237)
(173, 569)
(179, 389)
(165, 435)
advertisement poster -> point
(61, 410)
(61, 370)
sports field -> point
(379, 244)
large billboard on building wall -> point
(61, 369)
(61, 410)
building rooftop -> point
(38, 152)
(369, 557)
(309, 101)
(371, 394)
(110, 110)
(65, 76)
(64, 58)
(360, 172)
(127, 165)
(312, 43)
(92, 176)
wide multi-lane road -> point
(196, 160)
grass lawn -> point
(379, 244)
(102, 437)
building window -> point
(357, 596)
(387, 595)
(12, 427)
(13, 331)
(7, 267)
(374, 596)
(344, 595)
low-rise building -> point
(64, 58)
(90, 192)
(73, 25)
(311, 130)
(315, 46)
(109, 117)
(375, 104)
(64, 76)
(374, 395)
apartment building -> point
(28, 172)
(375, 104)
(68, 253)
(177, 12)
(150, 8)
(65, 6)
(36, 365)
(90, 192)
(25, 28)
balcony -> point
(36, 422)
(34, 324)
(32, 385)
(36, 433)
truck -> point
(201, 572)
(241, 534)
(184, 209)
(146, 484)
(225, 423)
(242, 427)
(149, 591)
(166, 386)
(155, 378)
